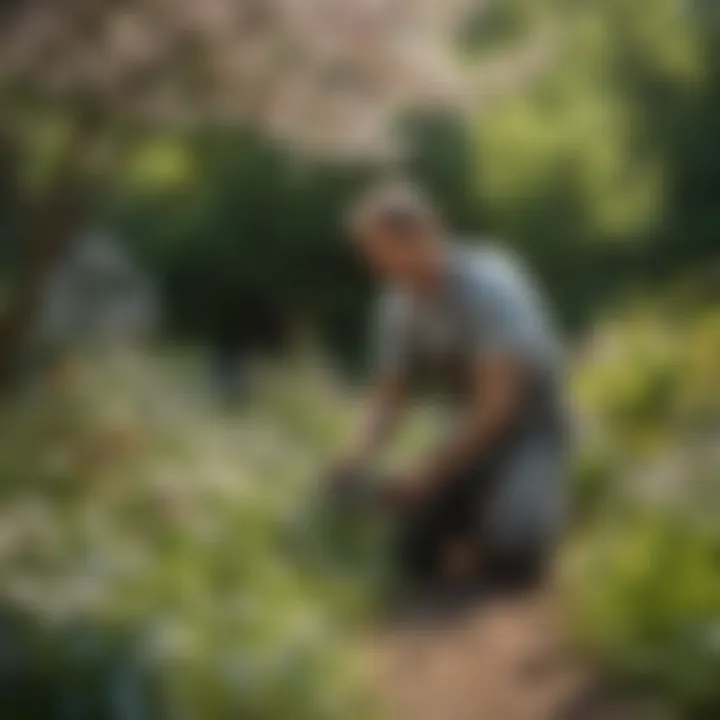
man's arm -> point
(497, 387)
(386, 403)
(391, 347)
(505, 320)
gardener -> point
(488, 500)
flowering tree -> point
(317, 70)
(326, 75)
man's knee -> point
(520, 569)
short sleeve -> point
(507, 318)
(392, 328)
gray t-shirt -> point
(488, 306)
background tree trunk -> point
(53, 222)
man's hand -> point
(349, 472)
(409, 492)
(344, 476)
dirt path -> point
(502, 660)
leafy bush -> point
(646, 602)
(644, 578)
(145, 563)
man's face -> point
(395, 257)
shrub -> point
(144, 564)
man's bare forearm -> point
(491, 411)
(381, 419)
(464, 444)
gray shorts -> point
(525, 505)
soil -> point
(500, 659)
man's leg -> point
(436, 540)
(518, 569)
(520, 523)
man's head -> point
(399, 233)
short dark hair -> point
(399, 206)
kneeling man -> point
(489, 497)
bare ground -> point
(499, 660)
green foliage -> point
(154, 546)
(646, 603)
(246, 241)
(601, 172)
(156, 556)
(150, 545)
(644, 575)
(650, 379)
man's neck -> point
(432, 282)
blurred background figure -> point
(97, 297)
(96, 300)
